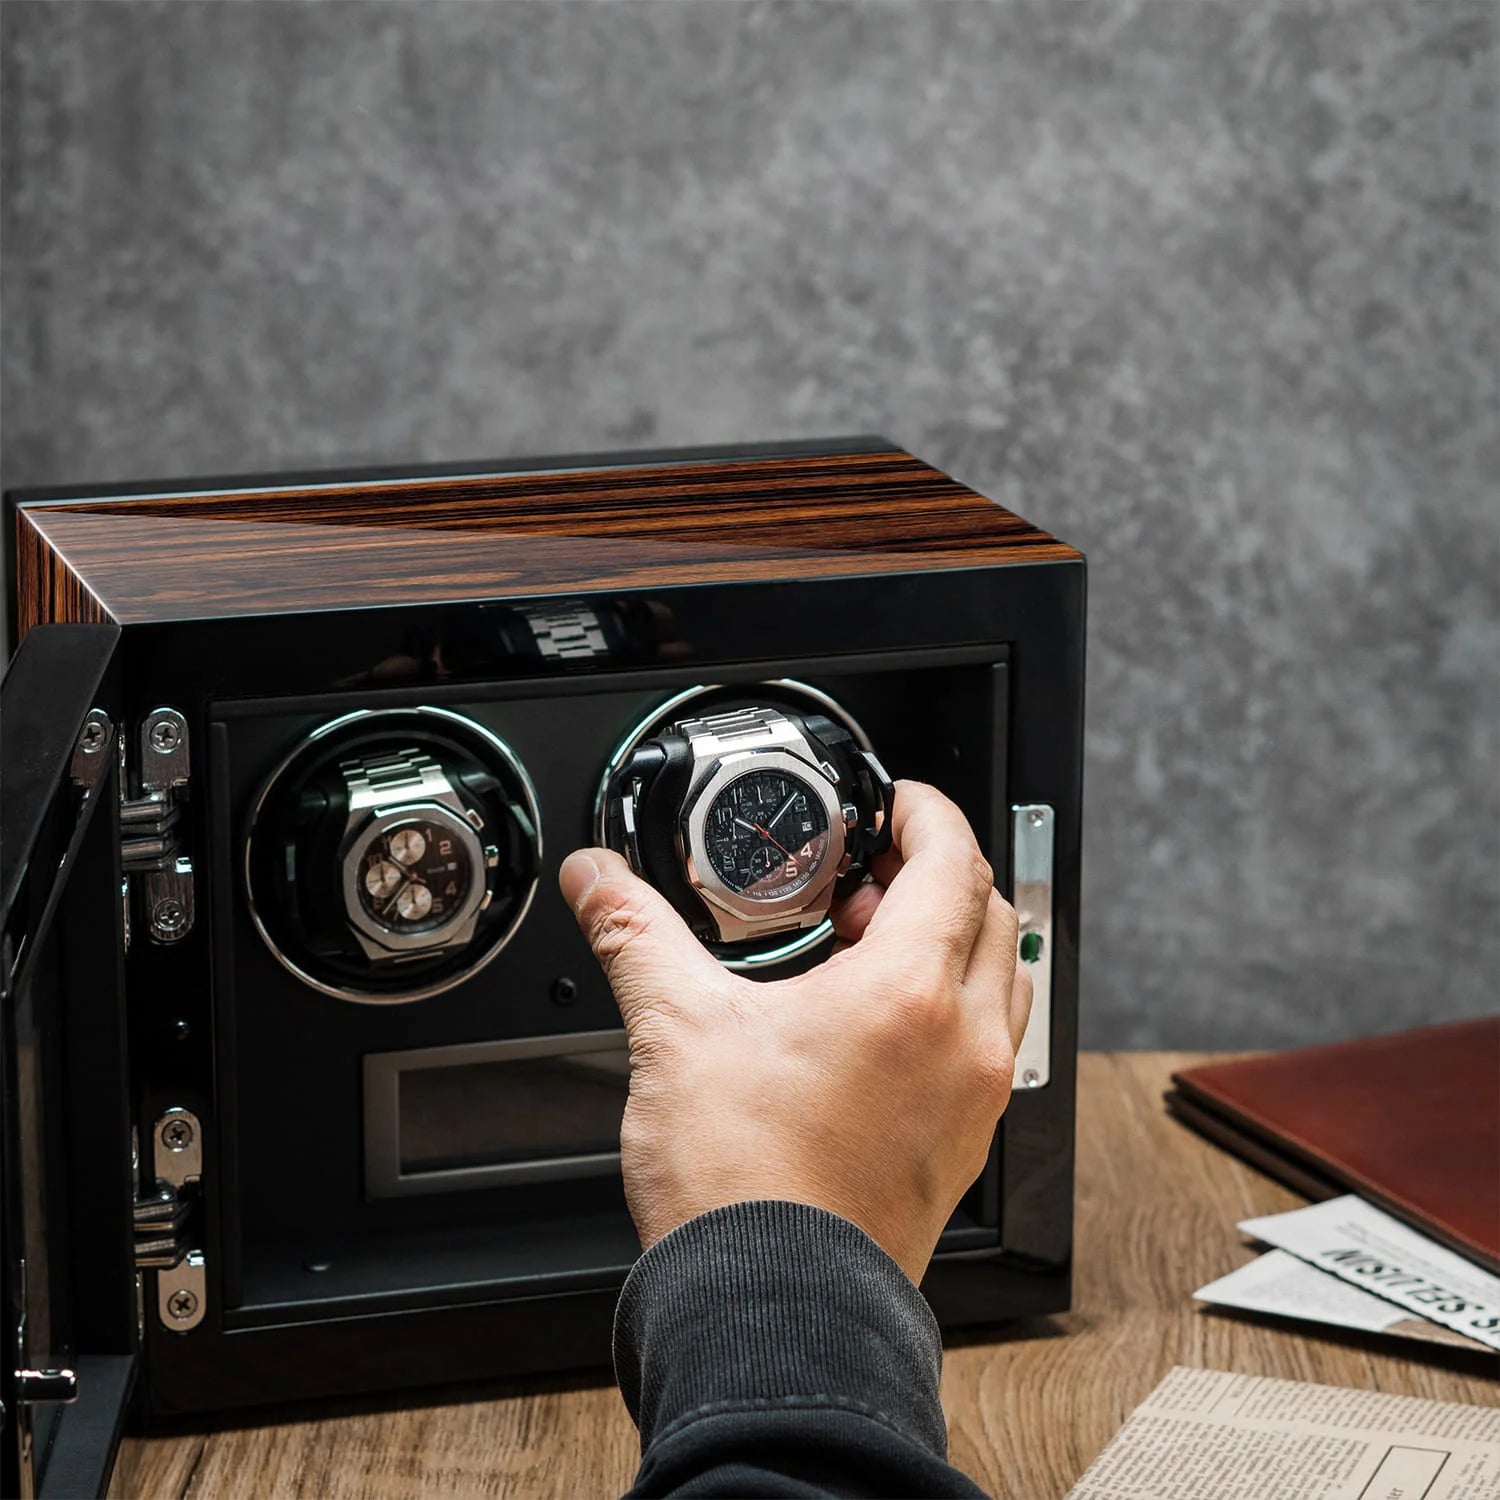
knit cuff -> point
(768, 1302)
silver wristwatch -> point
(763, 825)
(415, 873)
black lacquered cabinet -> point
(239, 1170)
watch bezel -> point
(432, 938)
(700, 871)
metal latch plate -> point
(1032, 838)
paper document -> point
(1210, 1435)
(1282, 1285)
(1369, 1249)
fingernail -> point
(576, 877)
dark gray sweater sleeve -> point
(775, 1349)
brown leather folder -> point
(1410, 1121)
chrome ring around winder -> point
(668, 713)
(363, 716)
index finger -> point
(939, 896)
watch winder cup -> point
(751, 814)
(321, 1125)
(392, 854)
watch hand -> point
(781, 811)
(744, 824)
(765, 833)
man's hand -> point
(869, 1086)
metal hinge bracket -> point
(153, 833)
(167, 1225)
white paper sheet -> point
(1367, 1248)
(1280, 1284)
(1210, 1435)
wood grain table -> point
(1028, 1408)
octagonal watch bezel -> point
(700, 871)
(458, 928)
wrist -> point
(704, 1172)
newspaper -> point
(1356, 1242)
(1280, 1284)
(1210, 1435)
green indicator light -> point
(1031, 947)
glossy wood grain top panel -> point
(183, 555)
(47, 588)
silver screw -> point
(91, 741)
(165, 736)
(168, 916)
(182, 1304)
(1036, 817)
(177, 1135)
(1031, 1078)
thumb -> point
(647, 952)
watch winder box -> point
(311, 1085)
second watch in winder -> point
(750, 820)
(391, 854)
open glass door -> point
(68, 1327)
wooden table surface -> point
(1028, 1408)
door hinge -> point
(168, 1221)
(91, 750)
(154, 827)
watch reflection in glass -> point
(414, 876)
(767, 834)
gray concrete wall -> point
(1209, 289)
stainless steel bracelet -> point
(742, 729)
(404, 773)
(565, 632)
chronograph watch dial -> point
(764, 826)
(767, 834)
(750, 821)
(416, 875)
(414, 865)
